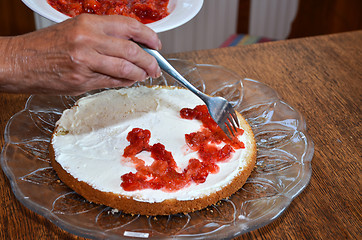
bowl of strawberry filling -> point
(160, 15)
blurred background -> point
(222, 23)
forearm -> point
(16, 67)
(9, 69)
(28, 64)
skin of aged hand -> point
(83, 53)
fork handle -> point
(167, 67)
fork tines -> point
(230, 122)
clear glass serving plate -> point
(282, 171)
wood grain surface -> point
(15, 18)
(322, 78)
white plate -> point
(181, 11)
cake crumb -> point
(114, 210)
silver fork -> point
(219, 108)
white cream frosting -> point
(91, 137)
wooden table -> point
(322, 78)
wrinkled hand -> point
(81, 54)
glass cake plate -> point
(283, 167)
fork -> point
(219, 108)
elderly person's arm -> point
(81, 54)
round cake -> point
(150, 151)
